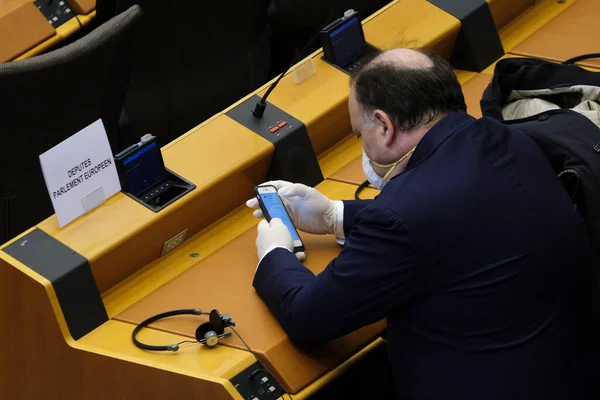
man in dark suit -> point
(473, 251)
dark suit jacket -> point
(479, 262)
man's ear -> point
(386, 125)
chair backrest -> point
(46, 99)
(191, 60)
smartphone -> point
(272, 207)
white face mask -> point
(372, 176)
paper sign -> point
(80, 173)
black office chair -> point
(46, 99)
(192, 60)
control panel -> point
(57, 12)
(255, 383)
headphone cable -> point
(260, 362)
(360, 188)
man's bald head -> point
(412, 87)
(404, 58)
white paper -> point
(80, 173)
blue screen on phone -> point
(276, 209)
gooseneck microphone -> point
(260, 107)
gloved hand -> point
(309, 210)
(272, 235)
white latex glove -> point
(272, 235)
(310, 210)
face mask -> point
(372, 176)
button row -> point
(277, 126)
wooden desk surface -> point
(530, 21)
(569, 34)
(126, 230)
(352, 173)
(505, 11)
(222, 278)
(127, 239)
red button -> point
(274, 129)
(282, 124)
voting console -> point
(70, 297)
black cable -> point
(146, 322)
(260, 362)
(581, 57)
(360, 188)
(259, 109)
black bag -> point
(570, 140)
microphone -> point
(261, 105)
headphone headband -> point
(210, 331)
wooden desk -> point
(567, 35)
(125, 229)
(223, 280)
(416, 22)
(352, 173)
(122, 241)
(22, 26)
(504, 12)
(25, 32)
(530, 20)
(221, 277)
(108, 353)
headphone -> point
(207, 333)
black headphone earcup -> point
(202, 330)
(215, 320)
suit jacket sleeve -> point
(351, 208)
(376, 272)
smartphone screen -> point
(273, 207)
